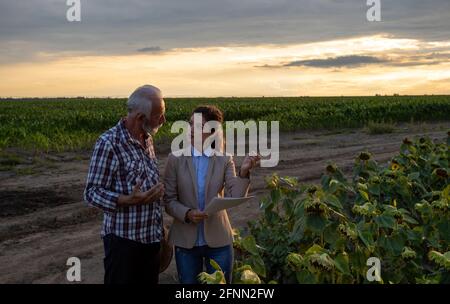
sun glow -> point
(254, 70)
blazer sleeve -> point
(235, 186)
(173, 207)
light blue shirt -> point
(200, 162)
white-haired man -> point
(123, 181)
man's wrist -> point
(124, 200)
(243, 174)
(186, 217)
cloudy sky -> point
(224, 47)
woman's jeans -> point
(190, 262)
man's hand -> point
(137, 197)
(196, 216)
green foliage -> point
(380, 127)
(399, 213)
(242, 275)
(74, 123)
(440, 259)
(217, 277)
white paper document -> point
(218, 203)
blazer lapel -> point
(190, 161)
(211, 162)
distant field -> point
(75, 123)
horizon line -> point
(216, 97)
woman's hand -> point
(249, 163)
(196, 216)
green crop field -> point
(74, 123)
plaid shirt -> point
(117, 162)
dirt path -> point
(43, 221)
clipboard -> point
(221, 203)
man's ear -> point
(140, 116)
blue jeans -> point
(190, 262)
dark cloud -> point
(400, 59)
(337, 62)
(151, 49)
(122, 27)
(433, 58)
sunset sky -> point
(224, 48)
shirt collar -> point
(125, 134)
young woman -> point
(191, 182)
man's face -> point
(152, 121)
(157, 116)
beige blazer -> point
(181, 195)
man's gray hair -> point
(140, 100)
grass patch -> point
(374, 128)
(337, 132)
(26, 171)
(25, 164)
(311, 142)
(9, 161)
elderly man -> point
(123, 181)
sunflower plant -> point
(326, 233)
